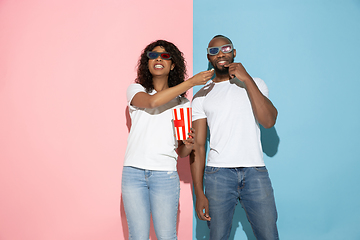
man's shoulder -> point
(204, 90)
(258, 80)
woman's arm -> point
(145, 100)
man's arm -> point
(264, 111)
(197, 165)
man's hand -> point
(238, 70)
(264, 111)
(202, 204)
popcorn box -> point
(182, 122)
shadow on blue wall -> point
(269, 140)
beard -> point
(221, 70)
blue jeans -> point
(146, 192)
(252, 187)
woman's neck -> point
(160, 83)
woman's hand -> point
(201, 78)
(186, 146)
(189, 142)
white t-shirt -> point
(234, 131)
(151, 141)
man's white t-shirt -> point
(151, 141)
(234, 131)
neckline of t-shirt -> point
(221, 81)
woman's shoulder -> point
(133, 89)
(135, 86)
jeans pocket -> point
(211, 170)
(261, 169)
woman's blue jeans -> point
(146, 192)
(224, 187)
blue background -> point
(308, 54)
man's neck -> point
(221, 77)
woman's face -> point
(159, 66)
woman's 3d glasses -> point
(154, 55)
(224, 48)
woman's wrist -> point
(190, 82)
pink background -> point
(64, 69)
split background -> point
(64, 69)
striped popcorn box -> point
(182, 122)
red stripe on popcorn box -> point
(182, 122)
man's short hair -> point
(222, 36)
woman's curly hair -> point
(176, 76)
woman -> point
(150, 183)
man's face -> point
(218, 61)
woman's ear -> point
(172, 66)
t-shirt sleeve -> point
(132, 90)
(197, 108)
(262, 86)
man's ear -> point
(234, 53)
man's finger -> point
(207, 213)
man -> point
(232, 105)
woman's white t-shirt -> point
(151, 142)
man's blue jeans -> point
(252, 187)
(146, 192)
